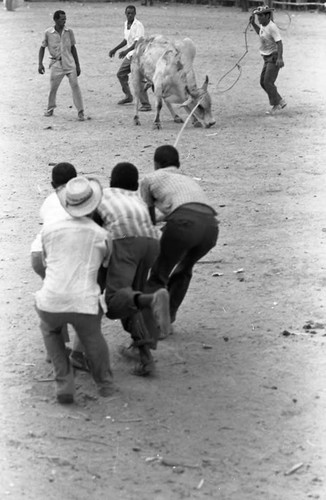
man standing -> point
(133, 30)
(63, 62)
(135, 248)
(74, 250)
(271, 48)
(191, 228)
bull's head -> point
(202, 102)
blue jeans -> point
(88, 329)
(190, 232)
(268, 78)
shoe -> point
(144, 370)
(81, 116)
(130, 353)
(282, 103)
(170, 332)
(274, 110)
(79, 361)
(161, 310)
(49, 112)
(65, 399)
(106, 390)
(126, 100)
(145, 107)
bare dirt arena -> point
(237, 409)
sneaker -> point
(126, 100)
(145, 107)
(81, 116)
(282, 103)
(65, 399)
(79, 361)
(161, 310)
(49, 112)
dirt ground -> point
(237, 409)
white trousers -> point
(57, 75)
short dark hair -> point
(130, 7)
(166, 156)
(125, 176)
(62, 173)
(57, 14)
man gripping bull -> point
(133, 30)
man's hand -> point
(279, 62)
(41, 69)
(78, 70)
(112, 53)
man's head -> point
(130, 12)
(264, 14)
(166, 156)
(125, 176)
(62, 173)
(80, 196)
(59, 17)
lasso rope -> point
(237, 65)
(185, 123)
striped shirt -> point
(125, 214)
(167, 189)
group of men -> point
(64, 58)
(99, 243)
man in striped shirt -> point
(191, 228)
(135, 248)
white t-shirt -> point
(269, 35)
(136, 31)
(73, 250)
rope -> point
(237, 65)
(185, 123)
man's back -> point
(74, 250)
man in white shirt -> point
(271, 49)
(74, 249)
(133, 30)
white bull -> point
(167, 67)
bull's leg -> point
(136, 117)
(157, 122)
(176, 118)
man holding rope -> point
(271, 48)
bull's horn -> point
(205, 84)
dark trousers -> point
(187, 236)
(123, 76)
(268, 78)
(88, 328)
(127, 275)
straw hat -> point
(80, 196)
(263, 9)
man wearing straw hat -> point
(74, 249)
(271, 48)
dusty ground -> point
(236, 404)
